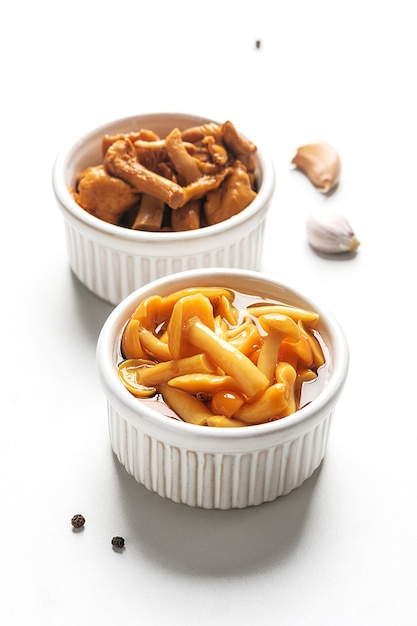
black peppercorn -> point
(118, 542)
(78, 521)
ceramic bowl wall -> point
(113, 261)
(219, 467)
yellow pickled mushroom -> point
(151, 312)
(203, 384)
(131, 346)
(215, 367)
(214, 294)
(191, 306)
(245, 337)
(296, 351)
(226, 310)
(129, 373)
(191, 328)
(165, 371)
(286, 374)
(316, 349)
(186, 406)
(304, 375)
(295, 313)
(221, 421)
(154, 347)
(266, 407)
(277, 326)
(227, 402)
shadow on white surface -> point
(92, 310)
(213, 543)
(194, 541)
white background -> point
(340, 550)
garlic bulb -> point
(330, 233)
(321, 163)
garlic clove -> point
(331, 233)
(320, 162)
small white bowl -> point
(112, 261)
(209, 467)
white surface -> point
(342, 549)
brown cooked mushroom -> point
(232, 197)
(103, 195)
(150, 214)
(143, 135)
(186, 217)
(186, 166)
(188, 170)
(121, 161)
(197, 133)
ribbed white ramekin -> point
(219, 468)
(113, 261)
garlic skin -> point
(331, 233)
(321, 163)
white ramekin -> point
(112, 261)
(218, 468)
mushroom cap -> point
(282, 323)
(185, 309)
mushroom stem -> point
(154, 346)
(189, 307)
(278, 326)
(286, 374)
(131, 346)
(188, 407)
(249, 378)
(166, 370)
(207, 383)
(296, 313)
(269, 353)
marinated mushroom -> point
(191, 409)
(104, 196)
(249, 378)
(150, 214)
(277, 327)
(120, 160)
(269, 405)
(215, 363)
(231, 198)
(188, 180)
